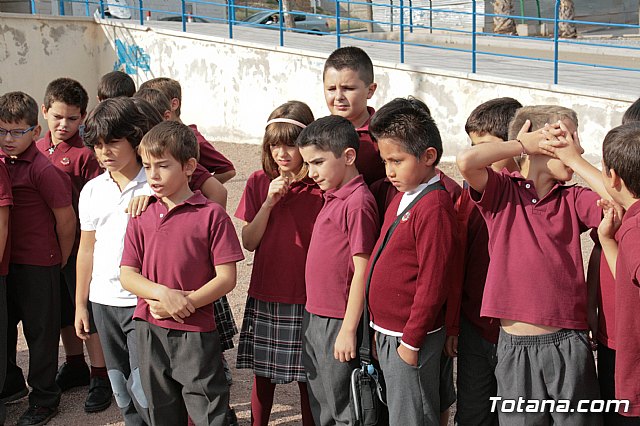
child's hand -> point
(81, 323)
(451, 346)
(156, 309)
(345, 347)
(531, 140)
(137, 205)
(611, 220)
(176, 304)
(408, 356)
(277, 189)
(561, 144)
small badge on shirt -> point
(65, 161)
(405, 217)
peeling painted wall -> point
(230, 87)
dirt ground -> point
(286, 411)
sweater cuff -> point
(409, 346)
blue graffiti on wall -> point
(130, 57)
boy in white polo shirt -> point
(113, 130)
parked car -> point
(303, 21)
(178, 18)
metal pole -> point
(348, 16)
(184, 16)
(33, 7)
(101, 9)
(141, 9)
(473, 37)
(538, 4)
(555, 42)
(230, 17)
(522, 11)
(430, 17)
(338, 24)
(86, 6)
(411, 16)
(61, 7)
(402, 31)
(281, 23)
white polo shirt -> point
(102, 209)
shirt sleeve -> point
(630, 251)
(252, 199)
(433, 272)
(6, 196)
(363, 228)
(491, 200)
(589, 213)
(225, 247)
(87, 222)
(133, 251)
(212, 159)
(54, 186)
(199, 177)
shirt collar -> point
(521, 180)
(28, 154)
(197, 199)
(64, 146)
(347, 189)
(365, 126)
(422, 186)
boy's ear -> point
(429, 156)
(349, 155)
(44, 111)
(372, 90)
(36, 132)
(167, 115)
(175, 104)
(616, 181)
(190, 166)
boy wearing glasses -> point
(42, 234)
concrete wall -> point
(230, 87)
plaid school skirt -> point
(225, 323)
(271, 341)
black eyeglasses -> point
(15, 133)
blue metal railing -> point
(394, 17)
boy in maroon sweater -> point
(620, 241)
(409, 286)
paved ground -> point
(286, 410)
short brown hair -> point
(171, 137)
(18, 106)
(621, 153)
(632, 113)
(169, 87)
(539, 115)
(156, 98)
(115, 84)
(492, 117)
(67, 91)
(284, 134)
(352, 58)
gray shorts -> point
(551, 367)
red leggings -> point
(262, 401)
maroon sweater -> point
(409, 283)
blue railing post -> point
(474, 36)
(410, 16)
(33, 7)
(61, 7)
(184, 17)
(87, 10)
(402, 31)
(338, 24)
(141, 11)
(101, 9)
(231, 16)
(281, 23)
(555, 42)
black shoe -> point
(71, 376)
(13, 395)
(36, 415)
(99, 397)
(231, 417)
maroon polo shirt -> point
(76, 160)
(6, 200)
(346, 226)
(410, 281)
(475, 271)
(199, 177)
(180, 249)
(279, 261)
(211, 158)
(368, 160)
(535, 273)
(627, 374)
(606, 305)
(38, 187)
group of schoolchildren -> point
(115, 234)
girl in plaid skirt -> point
(279, 207)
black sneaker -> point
(13, 395)
(36, 415)
(99, 397)
(71, 376)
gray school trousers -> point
(554, 367)
(182, 373)
(413, 393)
(477, 361)
(116, 329)
(328, 379)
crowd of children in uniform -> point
(115, 234)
